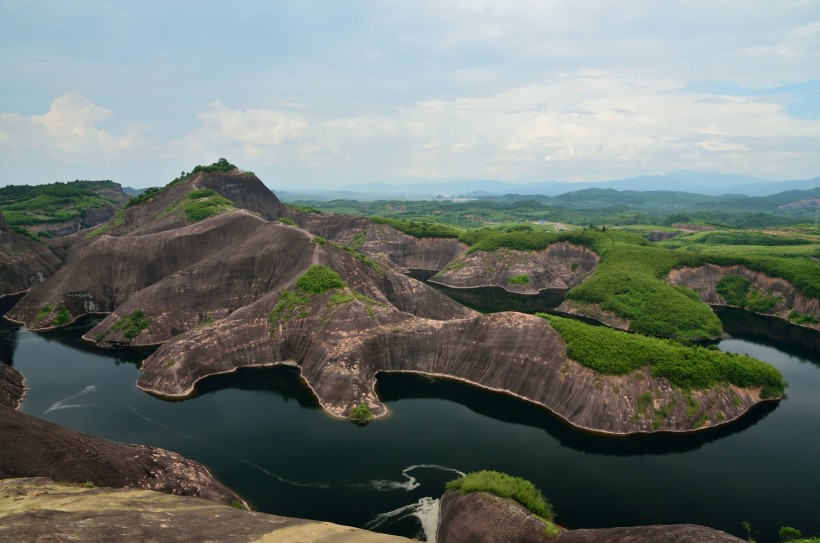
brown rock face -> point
(384, 243)
(340, 349)
(24, 262)
(207, 291)
(38, 509)
(12, 386)
(516, 280)
(559, 266)
(704, 279)
(36, 448)
(484, 518)
(671, 533)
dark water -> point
(262, 433)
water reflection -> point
(393, 387)
(284, 381)
(803, 343)
(8, 341)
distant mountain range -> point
(707, 183)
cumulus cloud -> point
(586, 125)
(68, 131)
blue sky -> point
(319, 94)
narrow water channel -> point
(263, 434)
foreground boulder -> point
(38, 509)
(480, 517)
(12, 386)
(35, 448)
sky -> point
(315, 94)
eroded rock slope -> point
(221, 294)
(704, 280)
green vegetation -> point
(738, 291)
(319, 278)
(220, 165)
(793, 535)
(360, 414)
(293, 303)
(305, 209)
(319, 240)
(801, 318)
(286, 220)
(353, 248)
(631, 278)
(519, 280)
(143, 197)
(27, 205)
(132, 324)
(418, 229)
(630, 282)
(199, 204)
(236, 504)
(289, 302)
(508, 487)
(58, 313)
(591, 206)
(614, 352)
(745, 237)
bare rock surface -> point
(704, 279)
(595, 312)
(24, 262)
(340, 349)
(480, 517)
(36, 448)
(669, 533)
(12, 386)
(208, 291)
(559, 266)
(384, 243)
(38, 509)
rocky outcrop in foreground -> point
(484, 518)
(38, 509)
(12, 386)
(36, 448)
(704, 279)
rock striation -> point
(480, 517)
(38, 509)
(24, 262)
(12, 386)
(704, 279)
(36, 448)
(208, 293)
(523, 280)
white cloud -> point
(67, 132)
(588, 125)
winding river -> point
(263, 434)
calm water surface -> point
(263, 434)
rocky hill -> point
(219, 273)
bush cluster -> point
(360, 414)
(319, 278)
(505, 486)
(614, 352)
(132, 324)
